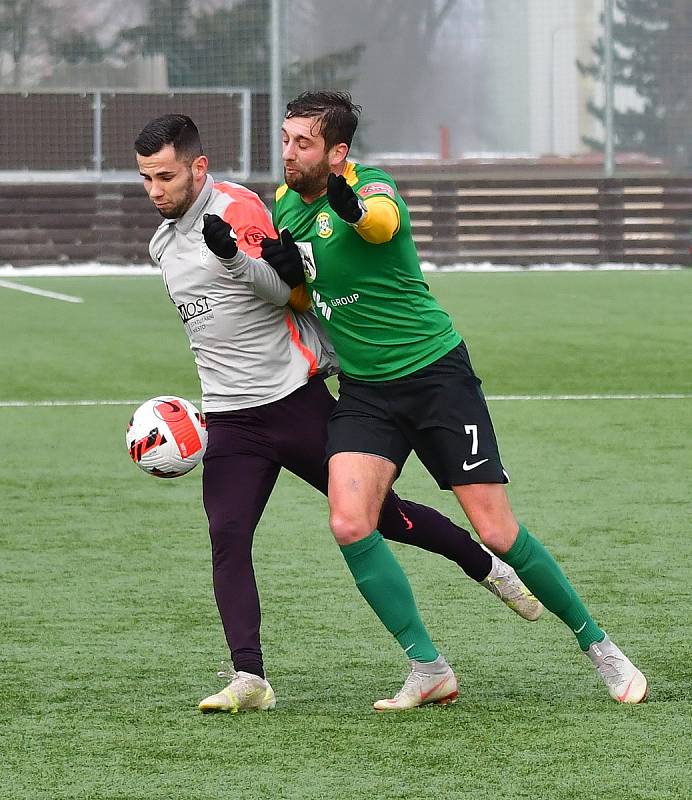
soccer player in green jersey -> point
(406, 380)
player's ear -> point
(199, 166)
(338, 153)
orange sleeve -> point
(248, 216)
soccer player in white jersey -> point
(262, 359)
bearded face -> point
(308, 180)
(179, 201)
(306, 157)
(169, 181)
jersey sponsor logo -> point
(376, 188)
(309, 266)
(195, 308)
(320, 305)
(324, 225)
(345, 301)
(254, 235)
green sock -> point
(541, 573)
(382, 582)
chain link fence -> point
(440, 81)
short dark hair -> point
(175, 129)
(337, 113)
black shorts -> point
(439, 412)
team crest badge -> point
(324, 225)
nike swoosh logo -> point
(407, 521)
(424, 695)
(621, 697)
(579, 630)
(466, 467)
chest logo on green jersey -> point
(324, 225)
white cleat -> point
(625, 682)
(421, 688)
(245, 692)
(504, 583)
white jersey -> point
(250, 348)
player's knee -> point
(348, 528)
(497, 537)
(229, 538)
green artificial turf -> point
(110, 635)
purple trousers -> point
(246, 451)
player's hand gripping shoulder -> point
(284, 257)
(219, 237)
(344, 200)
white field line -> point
(97, 270)
(89, 270)
(492, 398)
(18, 287)
(67, 403)
(653, 396)
(427, 267)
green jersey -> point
(371, 298)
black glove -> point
(284, 257)
(344, 200)
(219, 236)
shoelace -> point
(610, 667)
(502, 587)
(226, 672)
(412, 682)
(230, 676)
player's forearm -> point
(255, 272)
(381, 221)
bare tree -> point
(416, 22)
(31, 29)
(16, 20)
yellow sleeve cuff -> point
(299, 299)
(381, 222)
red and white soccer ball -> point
(167, 436)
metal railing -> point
(50, 136)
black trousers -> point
(246, 451)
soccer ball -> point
(166, 436)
